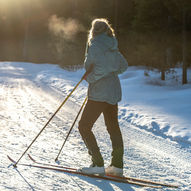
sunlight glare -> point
(9, 5)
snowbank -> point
(162, 107)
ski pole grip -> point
(87, 72)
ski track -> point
(26, 106)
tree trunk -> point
(184, 66)
(163, 74)
(115, 9)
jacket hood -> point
(106, 43)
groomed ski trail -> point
(27, 104)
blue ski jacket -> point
(108, 62)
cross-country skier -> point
(104, 93)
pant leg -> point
(90, 114)
(111, 121)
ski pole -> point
(83, 77)
(71, 128)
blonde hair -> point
(100, 26)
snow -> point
(154, 116)
(162, 107)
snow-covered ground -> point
(154, 116)
(163, 107)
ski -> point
(58, 169)
(122, 178)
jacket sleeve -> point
(123, 64)
(89, 58)
(89, 61)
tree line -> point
(152, 33)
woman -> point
(104, 92)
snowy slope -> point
(163, 107)
(154, 118)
